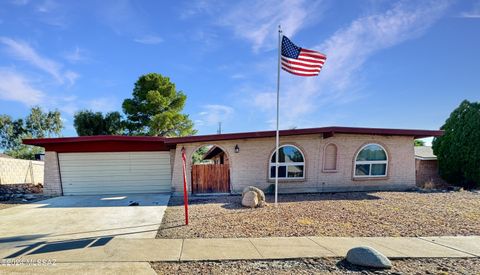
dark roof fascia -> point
(41, 141)
(326, 131)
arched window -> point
(371, 161)
(291, 163)
(330, 158)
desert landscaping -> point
(357, 214)
(442, 266)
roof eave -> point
(45, 141)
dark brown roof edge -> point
(323, 130)
(326, 131)
(40, 141)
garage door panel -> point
(108, 170)
(75, 157)
(110, 159)
(119, 180)
(157, 162)
(93, 192)
(122, 173)
(113, 185)
(118, 176)
(117, 166)
(124, 188)
(115, 173)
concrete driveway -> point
(77, 217)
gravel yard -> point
(319, 266)
(338, 214)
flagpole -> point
(277, 134)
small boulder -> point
(261, 195)
(250, 199)
(368, 257)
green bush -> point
(458, 150)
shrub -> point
(458, 150)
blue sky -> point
(404, 64)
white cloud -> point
(348, 51)
(70, 104)
(265, 100)
(46, 6)
(19, 88)
(349, 48)
(54, 13)
(257, 21)
(102, 104)
(473, 13)
(20, 2)
(71, 77)
(213, 114)
(16, 87)
(238, 76)
(194, 8)
(76, 56)
(23, 51)
(149, 39)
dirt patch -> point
(338, 214)
(319, 266)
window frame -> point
(370, 163)
(286, 164)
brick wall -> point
(18, 171)
(250, 165)
(52, 185)
(427, 173)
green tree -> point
(36, 125)
(418, 142)
(458, 149)
(89, 123)
(155, 108)
(197, 156)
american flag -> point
(299, 61)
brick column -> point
(52, 181)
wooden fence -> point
(210, 178)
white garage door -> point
(115, 173)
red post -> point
(185, 190)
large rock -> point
(250, 199)
(368, 257)
(261, 195)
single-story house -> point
(327, 159)
(426, 168)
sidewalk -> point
(146, 250)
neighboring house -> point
(328, 159)
(426, 168)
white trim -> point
(370, 162)
(286, 164)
